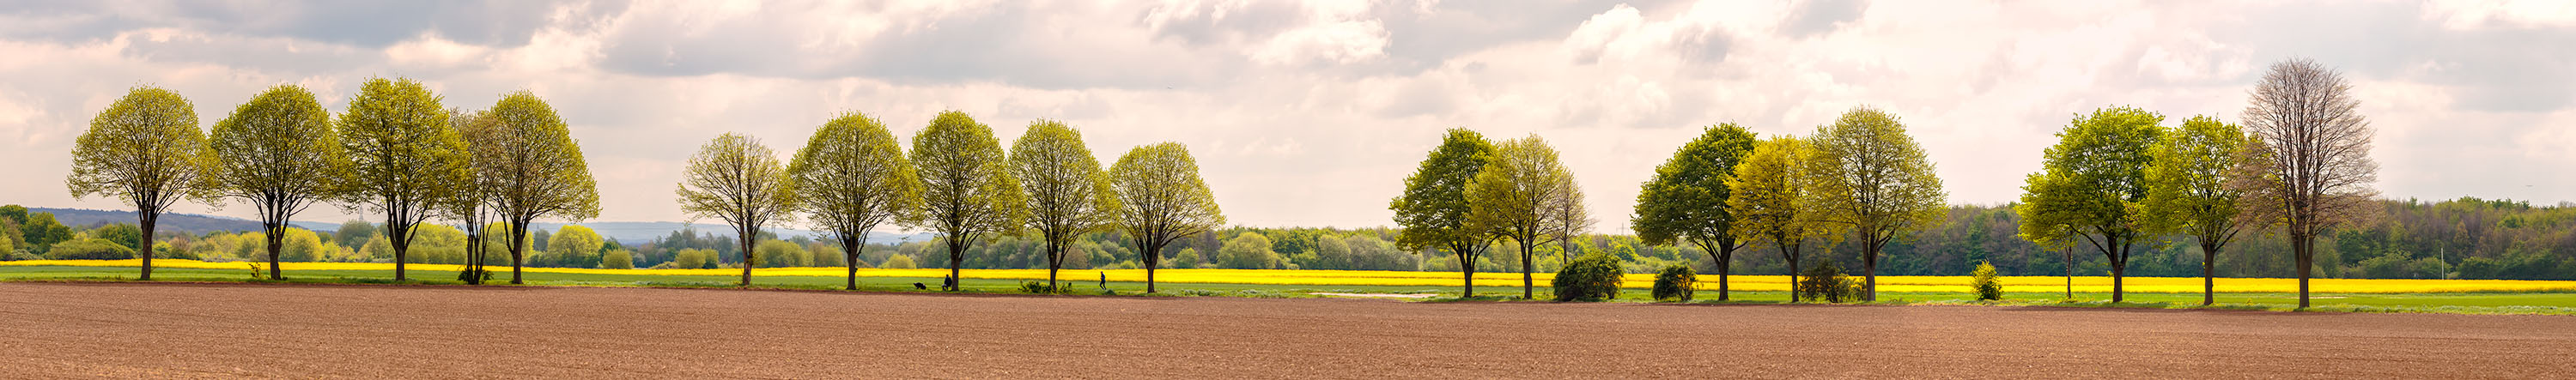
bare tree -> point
(2311, 168)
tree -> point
(736, 179)
(1686, 200)
(1773, 199)
(404, 156)
(2311, 169)
(353, 233)
(968, 192)
(2094, 181)
(1876, 180)
(144, 149)
(1248, 250)
(1068, 194)
(1161, 199)
(617, 259)
(534, 168)
(2187, 190)
(1434, 208)
(851, 177)
(279, 153)
(1512, 198)
(472, 202)
(575, 247)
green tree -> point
(776, 254)
(1068, 194)
(1511, 198)
(1161, 199)
(617, 259)
(968, 192)
(1773, 200)
(473, 202)
(2311, 169)
(1686, 200)
(575, 247)
(125, 235)
(1876, 180)
(354, 233)
(2095, 182)
(279, 153)
(1434, 208)
(736, 179)
(2187, 190)
(851, 177)
(404, 156)
(533, 169)
(1248, 250)
(898, 261)
(145, 149)
(41, 231)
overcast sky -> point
(1312, 113)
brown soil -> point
(230, 330)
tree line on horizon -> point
(2119, 183)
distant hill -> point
(623, 232)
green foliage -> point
(573, 247)
(406, 157)
(1874, 178)
(1592, 278)
(1068, 194)
(41, 231)
(617, 259)
(354, 233)
(1687, 201)
(123, 234)
(1248, 251)
(89, 249)
(2093, 184)
(1516, 195)
(1434, 210)
(529, 167)
(1161, 199)
(1675, 283)
(778, 254)
(852, 176)
(693, 259)
(1827, 283)
(1983, 281)
(898, 262)
(968, 192)
(144, 149)
(736, 179)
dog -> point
(919, 286)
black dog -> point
(919, 286)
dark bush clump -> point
(1675, 283)
(1593, 277)
(1827, 283)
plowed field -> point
(235, 330)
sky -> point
(1311, 113)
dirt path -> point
(223, 330)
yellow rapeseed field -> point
(2017, 284)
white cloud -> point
(1311, 113)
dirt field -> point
(208, 330)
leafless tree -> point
(2312, 169)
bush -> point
(1827, 283)
(898, 261)
(617, 259)
(1594, 277)
(1038, 287)
(91, 249)
(1988, 288)
(1675, 283)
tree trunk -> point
(1055, 262)
(850, 257)
(1871, 265)
(2119, 266)
(1792, 255)
(276, 240)
(746, 255)
(1723, 261)
(1467, 270)
(2306, 259)
(148, 218)
(2208, 275)
(956, 260)
(1529, 284)
(1153, 258)
(518, 251)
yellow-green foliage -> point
(898, 262)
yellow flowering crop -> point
(2015, 284)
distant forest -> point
(2465, 238)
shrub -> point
(1827, 283)
(1037, 287)
(1675, 283)
(1594, 277)
(1988, 288)
(617, 259)
(91, 249)
(898, 261)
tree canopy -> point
(850, 178)
(1068, 194)
(1161, 199)
(2093, 183)
(1875, 179)
(1511, 198)
(968, 192)
(404, 157)
(1686, 200)
(739, 181)
(145, 149)
(2187, 189)
(279, 153)
(1434, 208)
(532, 168)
